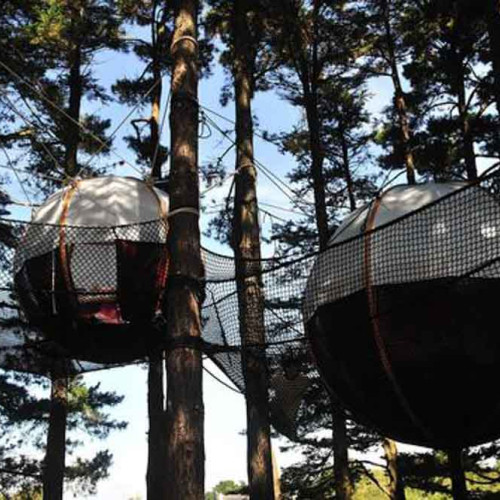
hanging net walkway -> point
(371, 302)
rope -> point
(260, 166)
(183, 210)
(36, 174)
(9, 161)
(39, 127)
(70, 118)
(122, 122)
(157, 146)
(237, 391)
(373, 308)
(186, 38)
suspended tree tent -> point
(401, 313)
(90, 268)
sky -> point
(225, 446)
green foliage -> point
(226, 486)
(24, 414)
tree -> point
(25, 419)
(226, 486)
(185, 454)
(243, 41)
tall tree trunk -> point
(396, 485)
(399, 96)
(246, 241)
(343, 484)
(493, 19)
(53, 474)
(463, 114)
(155, 476)
(185, 413)
(75, 96)
(346, 165)
(156, 98)
(455, 463)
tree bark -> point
(468, 153)
(53, 473)
(75, 96)
(399, 97)
(154, 123)
(246, 242)
(343, 484)
(396, 485)
(185, 413)
(458, 484)
(155, 476)
(346, 165)
(493, 19)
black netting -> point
(401, 318)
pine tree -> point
(25, 419)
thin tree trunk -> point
(343, 484)
(455, 463)
(185, 414)
(246, 241)
(155, 476)
(155, 100)
(53, 474)
(399, 97)
(346, 166)
(493, 19)
(463, 115)
(75, 98)
(396, 485)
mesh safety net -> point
(400, 317)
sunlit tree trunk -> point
(399, 96)
(185, 414)
(246, 241)
(395, 486)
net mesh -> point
(375, 284)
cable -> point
(9, 161)
(221, 381)
(124, 120)
(12, 107)
(57, 108)
(36, 174)
(157, 146)
(262, 168)
(257, 163)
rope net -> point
(401, 316)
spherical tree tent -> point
(90, 269)
(401, 313)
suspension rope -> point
(260, 166)
(11, 167)
(40, 127)
(162, 125)
(31, 86)
(225, 384)
(107, 143)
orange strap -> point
(63, 252)
(374, 314)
